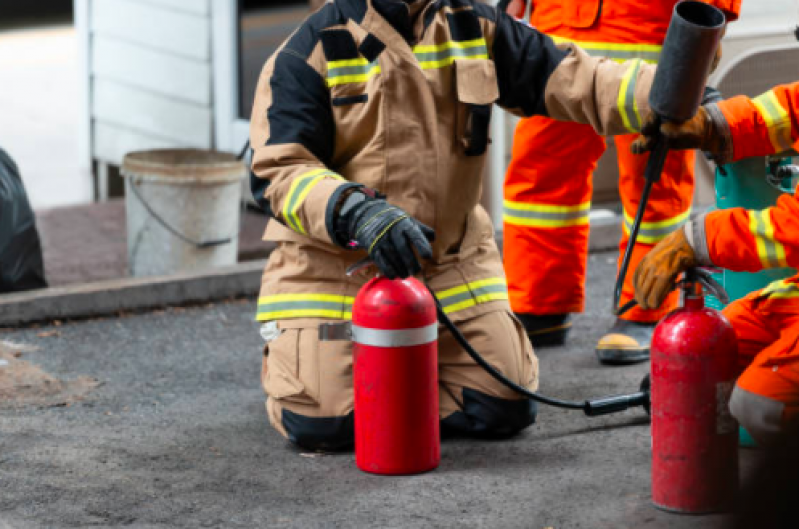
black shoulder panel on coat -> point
(304, 40)
(338, 45)
(464, 26)
(525, 60)
(485, 11)
(300, 110)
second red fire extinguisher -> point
(694, 437)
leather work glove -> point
(699, 132)
(386, 232)
(654, 278)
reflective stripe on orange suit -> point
(767, 321)
(548, 185)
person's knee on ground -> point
(329, 434)
(489, 417)
(473, 403)
(308, 383)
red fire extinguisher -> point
(694, 437)
(395, 377)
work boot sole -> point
(622, 357)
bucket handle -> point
(170, 229)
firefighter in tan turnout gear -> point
(369, 131)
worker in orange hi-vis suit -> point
(548, 185)
(766, 397)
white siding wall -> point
(150, 76)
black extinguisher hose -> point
(593, 407)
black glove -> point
(388, 233)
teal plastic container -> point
(745, 186)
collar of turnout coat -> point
(396, 12)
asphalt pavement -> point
(175, 435)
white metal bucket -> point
(183, 208)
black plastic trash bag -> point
(21, 263)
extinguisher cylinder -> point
(395, 378)
(694, 437)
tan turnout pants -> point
(312, 379)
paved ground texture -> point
(175, 436)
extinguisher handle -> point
(705, 278)
(615, 403)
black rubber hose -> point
(594, 407)
(654, 168)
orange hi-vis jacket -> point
(617, 29)
(766, 321)
(744, 240)
(548, 186)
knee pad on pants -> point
(486, 416)
(319, 433)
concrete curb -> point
(109, 297)
(103, 298)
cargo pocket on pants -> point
(292, 367)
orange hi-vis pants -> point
(766, 397)
(548, 189)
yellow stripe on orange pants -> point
(552, 163)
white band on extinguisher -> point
(395, 337)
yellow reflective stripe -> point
(347, 63)
(781, 289)
(770, 251)
(628, 106)
(777, 120)
(360, 77)
(465, 44)
(282, 306)
(474, 293)
(546, 215)
(299, 313)
(441, 55)
(654, 232)
(298, 191)
(619, 52)
(276, 298)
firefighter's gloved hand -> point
(699, 132)
(388, 233)
(654, 278)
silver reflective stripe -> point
(395, 338)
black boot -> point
(627, 342)
(545, 330)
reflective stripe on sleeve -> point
(395, 337)
(619, 52)
(770, 251)
(777, 120)
(285, 306)
(474, 293)
(654, 232)
(441, 55)
(781, 289)
(628, 106)
(351, 71)
(299, 189)
(546, 215)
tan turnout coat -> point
(366, 92)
